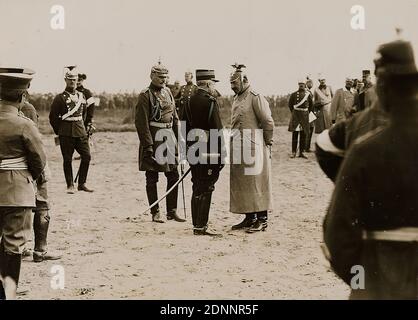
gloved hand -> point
(90, 129)
(149, 155)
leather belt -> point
(79, 118)
(14, 164)
(409, 234)
(160, 124)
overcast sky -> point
(115, 42)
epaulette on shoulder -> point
(368, 135)
(21, 115)
(254, 92)
(145, 90)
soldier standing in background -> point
(300, 102)
(185, 93)
(323, 97)
(342, 106)
(367, 94)
(22, 160)
(66, 118)
(156, 110)
(309, 88)
(90, 104)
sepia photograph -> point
(192, 150)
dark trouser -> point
(302, 141)
(81, 145)
(152, 192)
(41, 220)
(14, 225)
(309, 140)
(204, 177)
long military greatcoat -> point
(250, 192)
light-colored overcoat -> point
(250, 184)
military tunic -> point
(22, 160)
(300, 114)
(66, 118)
(156, 105)
(251, 192)
(376, 191)
(183, 97)
(202, 112)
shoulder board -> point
(21, 115)
(254, 93)
(145, 90)
(368, 135)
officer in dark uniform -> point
(156, 113)
(89, 110)
(202, 114)
(372, 220)
(185, 93)
(300, 103)
(41, 217)
(22, 160)
(66, 118)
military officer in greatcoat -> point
(252, 128)
(201, 114)
(66, 118)
(155, 115)
(186, 91)
(22, 161)
(300, 103)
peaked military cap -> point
(15, 78)
(396, 58)
(205, 74)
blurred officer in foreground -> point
(41, 217)
(202, 114)
(22, 160)
(156, 114)
(371, 229)
(66, 118)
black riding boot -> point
(260, 224)
(10, 269)
(249, 220)
(201, 226)
(152, 194)
(40, 228)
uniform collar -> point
(9, 107)
(154, 87)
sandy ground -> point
(110, 252)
